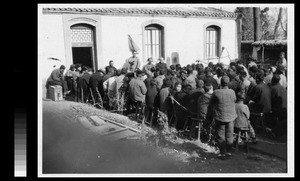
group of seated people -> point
(223, 95)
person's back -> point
(163, 94)
(243, 115)
(209, 79)
(55, 75)
(262, 98)
(137, 89)
(96, 78)
(191, 78)
(161, 65)
(151, 94)
(159, 79)
(147, 82)
(203, 102)
(278, 96)
(224, 104)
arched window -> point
(212, 43)
(154, 41)
(83, 45)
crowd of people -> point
(224, 96)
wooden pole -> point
(263, 55)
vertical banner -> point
(20, 143)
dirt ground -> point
(69, 148)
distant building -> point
(93, 36)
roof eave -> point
(191, 15)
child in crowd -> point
(243, 115)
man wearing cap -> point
(223, 103)
(148, 66)
(132, 63)
(161, 65)
(57, 78)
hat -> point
(281, 68)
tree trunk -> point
(278, 22)
(256, 21)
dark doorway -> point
(83, 55)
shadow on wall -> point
(175, 58)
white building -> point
(93, 36)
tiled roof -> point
(270, 43)
(161, 11)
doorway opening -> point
(83, 56)
(83, 45)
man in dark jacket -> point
(57, 78)
(181, 111)
(151, 99)
(111, 65)
(279, 103)
(84, 83)
(261, 96)
(161, 65)
(209, 79)
(203, 109)
(96, 82)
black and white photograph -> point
(165, 90)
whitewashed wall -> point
(50, 44)
(182, 35)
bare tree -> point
(257, 24)
(278, 22)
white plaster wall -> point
(182, 35)
(50, 44)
